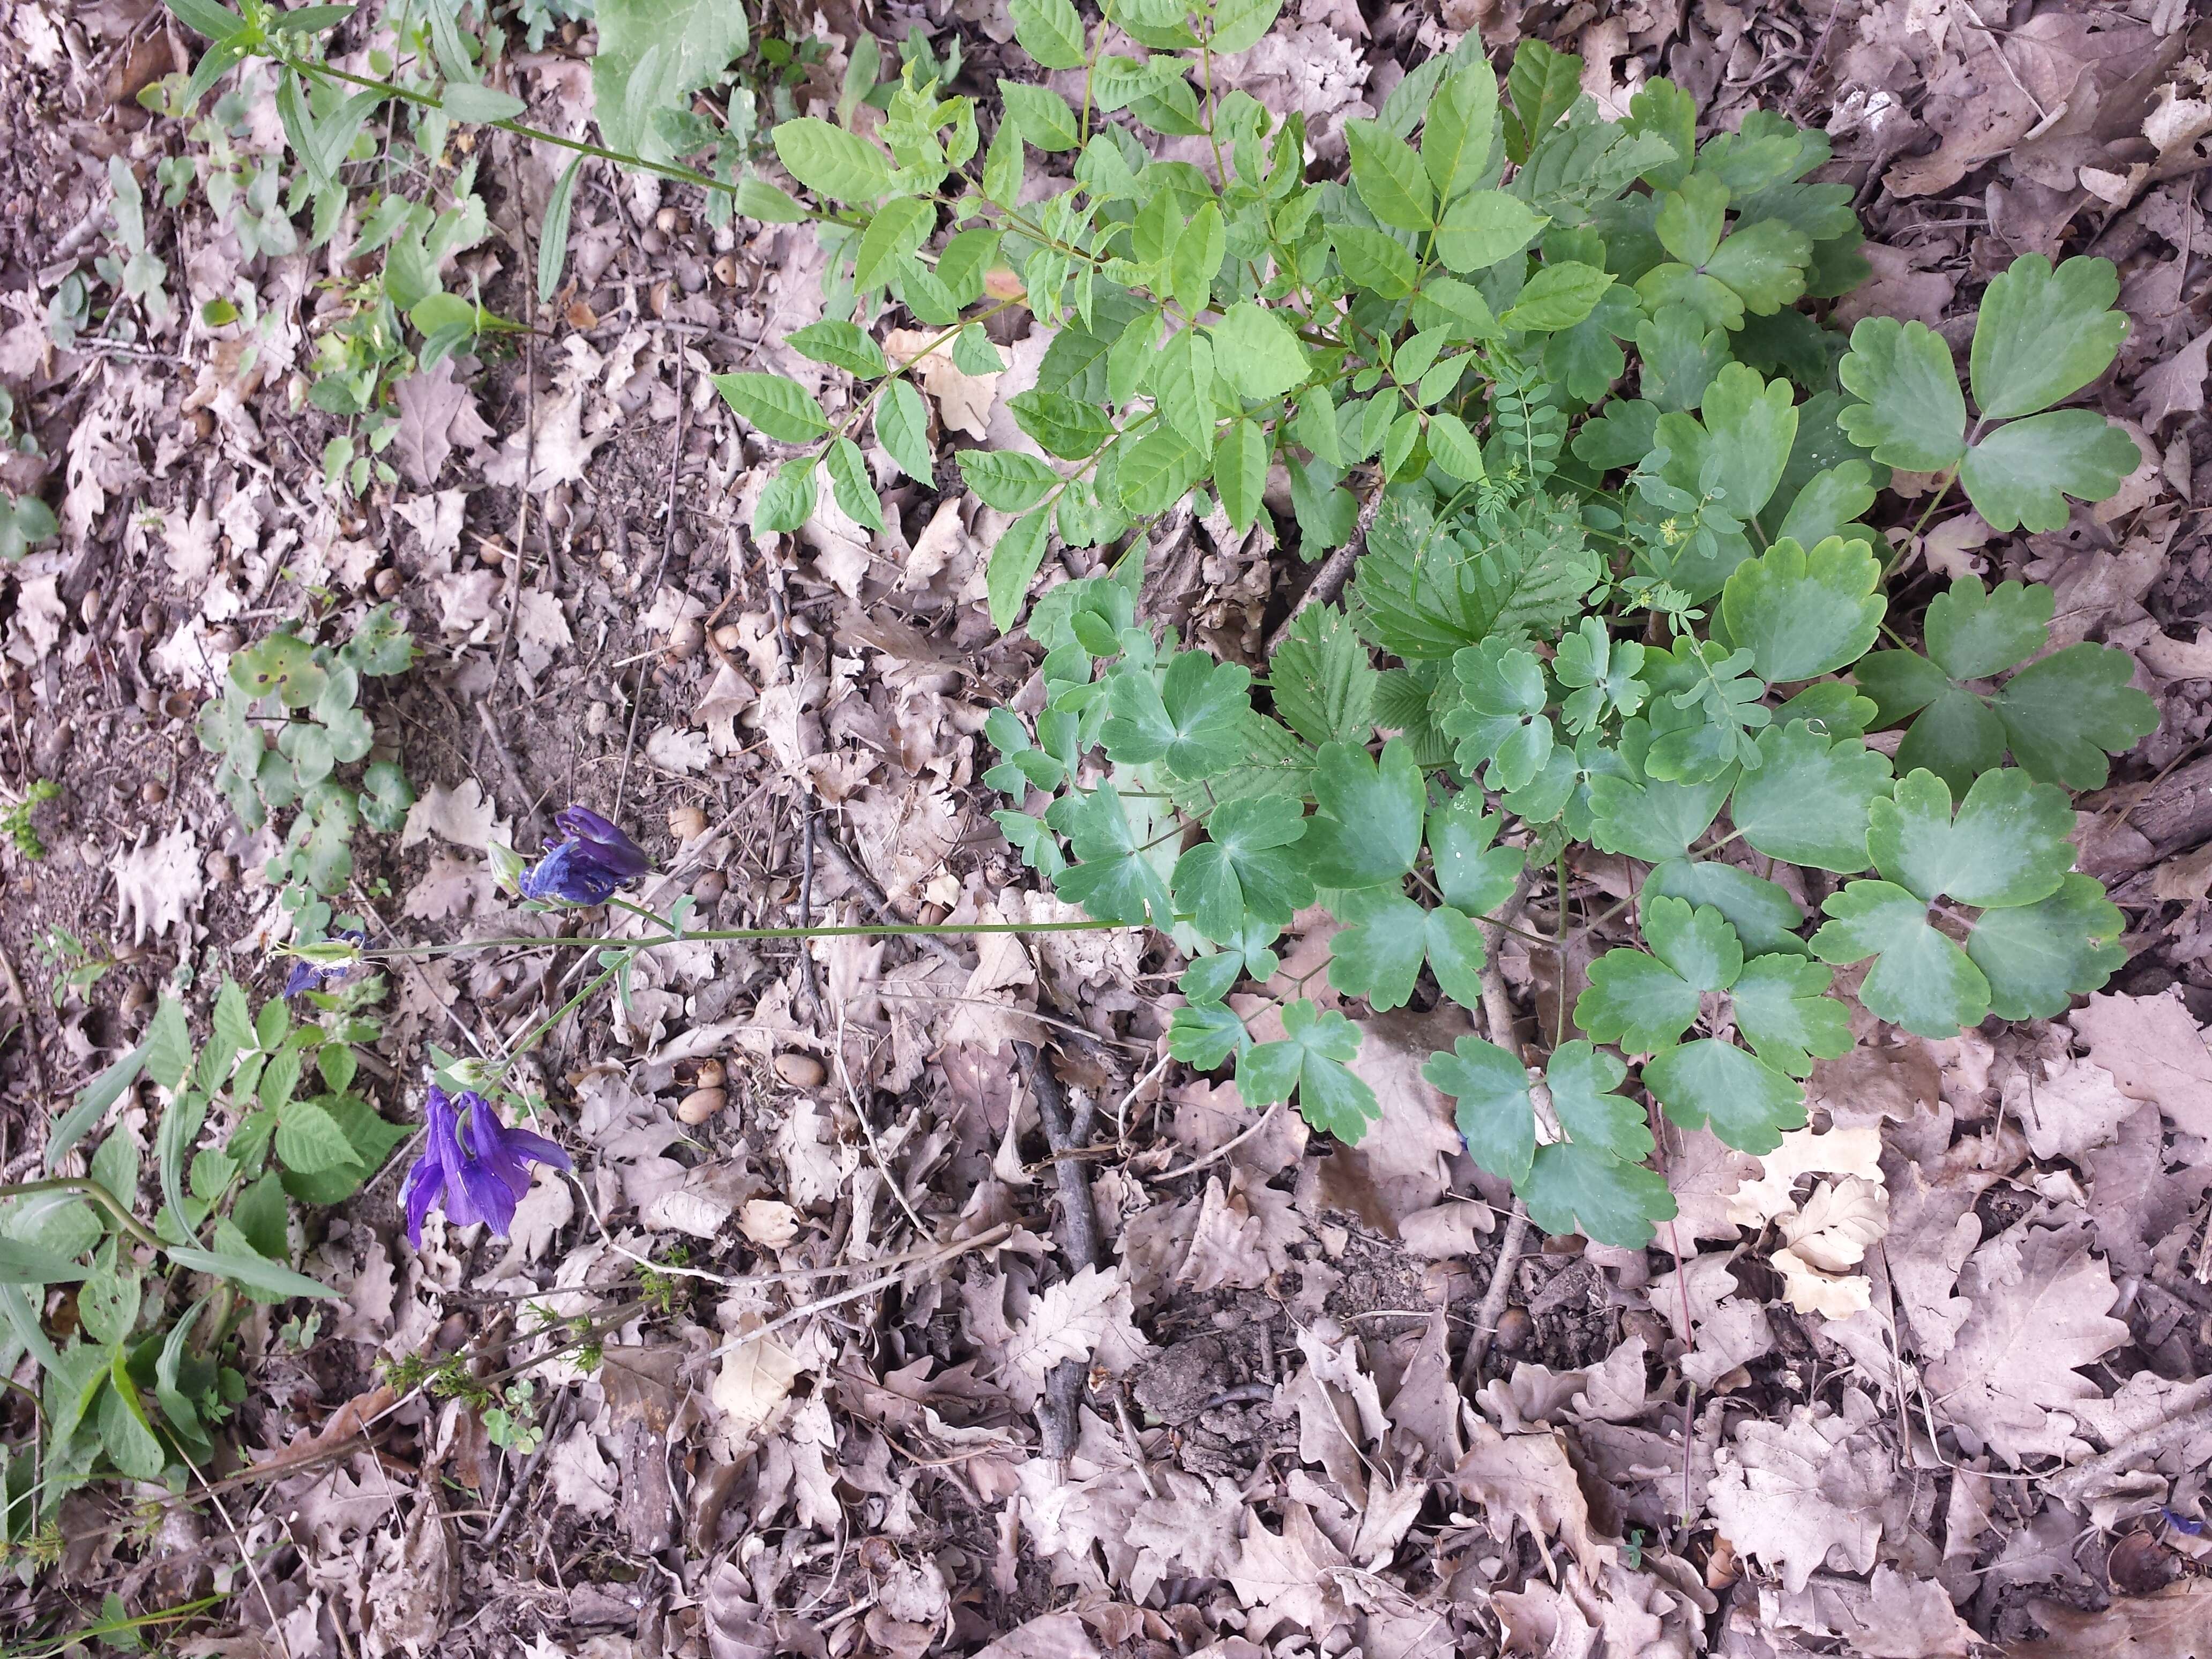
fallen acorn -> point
(799, 1071)
(700, 1104)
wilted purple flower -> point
(592, 859)
(481, 1181)
(321, 966)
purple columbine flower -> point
(482, 1180)
(310, 973)
(592, 859)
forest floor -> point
(1277, 1451)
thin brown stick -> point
(1328, 581)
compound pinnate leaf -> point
(1501, 718)
(1495, 1115)
(2008, 846)
(2044, 334)
(1312, 1060)
(1190, 719)
(1808, 801)
(1112, 878)
(1803, 613)
(1711, 1085)
(2022, 473)
(1368, 830)
(1243, 867)
(1574, 1188)
(1456, 137)
(1783, 1010)
(1474, 875)
(1920, 979)
(2038, 956)
(2063, 715)
(1911, 413)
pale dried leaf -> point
(1803, 1494)
(159, 884)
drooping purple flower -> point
(591, 861)
(320, 972)
(480, 1180)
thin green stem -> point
(91, 1189)
(539, 1032)
(873, 930)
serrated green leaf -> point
(1040, 115)
(1050, 31)
(1389, 177)
(1368, 830)
(2037, 957)
(1375, 260)
(1015, 559)
(1911, 413)
(1456, 139)
(846, 345)
(1558, 296)
(1063, 426)
(902, 429)
(1240, 471)
(1181, 383)
(838, 164)
(1257, 352)
(1007, 479)
(1809, 799)
(788, 502)
(1453, 448)
(2008, 845)
(1749, 1104)
(2043, 335)
(854, 491)
(1802, 614)
(1922, 979)
(1323, 684)
(2022, 473)
(781, 407)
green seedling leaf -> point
(2008, 847)
(1809, 801)
(2044, 334)
(1501, 719)
(1368, 830)
(1910, 412)
(1313, 1060)
(1244, 869)
(2022, 473)
(1920, 979)
(1802, 614)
